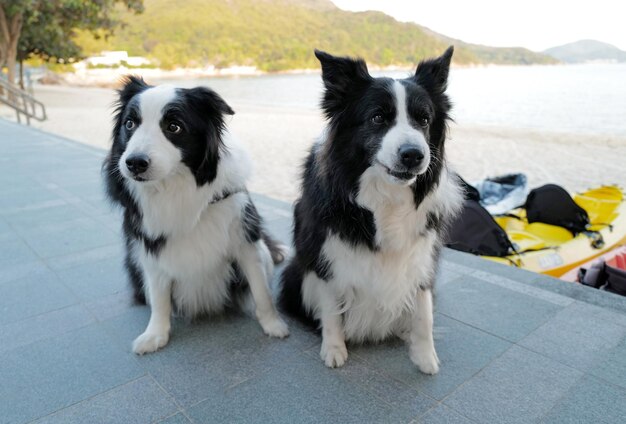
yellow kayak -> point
(553, 250)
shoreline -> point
(278, 138)
(103, 77)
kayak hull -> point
(554, 251)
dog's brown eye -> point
(129, 124)
(174, 128)
(423, 122)
(378, 119)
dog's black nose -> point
(137, 164)
(410, 155)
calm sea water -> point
(575, 99)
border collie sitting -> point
(376, 198)
(194, 240)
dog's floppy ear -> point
(211, 107)
(209, 101)
(432, 74)
(341, 75)
(130, 87)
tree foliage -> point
(47, 28)
(50, 28)
(11, 24)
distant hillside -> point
(587, 51)
(276, 35)
(497, 55)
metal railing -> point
(22, 102)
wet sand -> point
(278, 139)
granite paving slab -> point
(515, 347)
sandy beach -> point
(279, 137)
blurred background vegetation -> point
(272, 35)
(277, 35)
(47, 29)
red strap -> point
(620, 260)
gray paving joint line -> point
(182, 412)
(527, 348)
(95, 151)
(495, 358)
(563, 396)
(181, 409)
(507, 283)
(438, 403)
(28, 245)
(110, 389)
(417, 391)
(513, 345)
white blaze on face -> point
(148, 138)
(400, 134)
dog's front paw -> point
(274, 327)
(426, 360)
(334, 355)
(149, 342)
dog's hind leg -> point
(157, 333)
(253, 260)
(422, 345)
(319, 297)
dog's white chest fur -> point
(199, 244)
(201, 238)
(378, 288)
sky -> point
(534, 24)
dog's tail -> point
(290, 294)
(278, 251)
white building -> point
(113, 58)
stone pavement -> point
(515, 346)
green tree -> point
(11, 23)
(46, 28)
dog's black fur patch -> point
(251, 222)
(201, 111)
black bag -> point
(616, 280)
(605, 277)
(551, 204)
(475, 231)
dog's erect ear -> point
(341, 76)
(432, 74)
(340, 73)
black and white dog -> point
(376, 198)
(194, 239)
